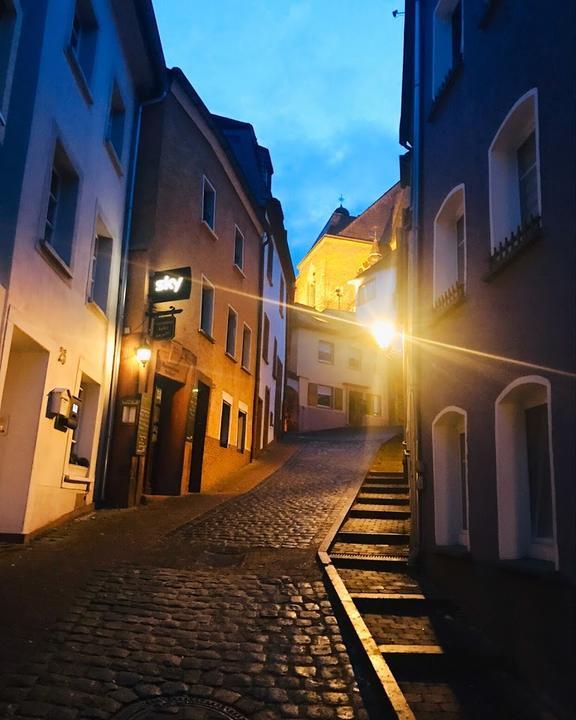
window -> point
(270, 260)
(82, 437)
(231, 332)
(524, 469)
(100, 271)
(265, 338)
(206, 307)
(9, 24)
(281, 297)
(448, 41)
(116, 122)
(82, 46)
(354, 358)
(275, 359)
(208, 203)
(514, 175)
(61, 207)
(366, 292)
(241, 438)
(325, 351)
(450, 244)
(246, 343)
(450, 477)
(324, 396)
(238, 249)
(225, 424)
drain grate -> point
(358, 556)
(179, 707)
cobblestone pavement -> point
(226, 618)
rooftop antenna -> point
(395, 13)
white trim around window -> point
(206, 319)
(448, 267)
(208, 213)
(231, 332)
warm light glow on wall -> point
(384, 333)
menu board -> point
(143, 424)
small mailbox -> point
(64, 408)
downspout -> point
(108, 425)
(413, 435)
(253, 448)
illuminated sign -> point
(170, 285)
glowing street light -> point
(143, 353)
(384, 333)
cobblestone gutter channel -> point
(226, 618)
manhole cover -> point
(180, 707)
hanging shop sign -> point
(170, 285)
(164, 327)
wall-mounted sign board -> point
(164, 327)
(170, 285)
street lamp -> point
(384, 333)
(143, 353)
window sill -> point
(326, 362)
(246, 370)
(116, 162)
(265, 360)
(79, 76)
(230, 357)
(206, 335)
(96, 309)
(239, 270)
(445, 86)
(531, 567)
(513, 246)
(210, 230)
(457, 551)
(454, 296)
(486, 17)
(54, 259)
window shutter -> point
(338, 399)
(312, 394)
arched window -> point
(449, 439)
(514, 171)
(450, 244)
(526, 516)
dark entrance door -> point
(355, 408)
(164, 458)
(199, 437)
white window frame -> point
(116, 101)
(231, 311)
(8, 62)
(100, 233)
(237, 232)
(445, 254)
(229, 400)
(212, 227)
(331, 360)
(450, 527)
(521, 120)
(244, 328)
(442, 59)
(207, 282)
(515, 539)
(329, 387)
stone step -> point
(369, 562)
(411, 649)
(386, 481)
(369, 549)
(380, 489)
(384, 474)
(380, 512)
(370, 538)
(387, 499)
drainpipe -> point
(253, 448)
(108, 424)
(413, 430)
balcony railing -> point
(514, 245)
(454, 295)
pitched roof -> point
(372, 223)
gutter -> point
(108, 424)
(253, 448)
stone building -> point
(185, 419)
(73, 77)
(491, 312)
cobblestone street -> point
(223, 617)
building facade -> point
(185, 420)
(72, 77)
(492, 311)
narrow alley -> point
(228, 611)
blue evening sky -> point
(318, 79)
